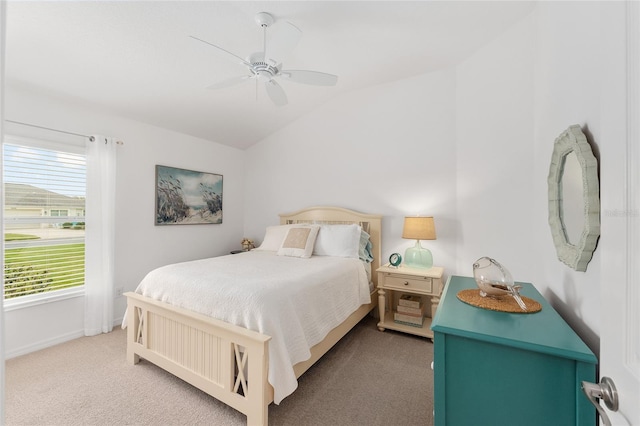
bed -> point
(232, 362)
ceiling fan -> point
(266, 66)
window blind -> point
(44, 220)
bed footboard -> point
(227, 362)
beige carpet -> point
(368, 378)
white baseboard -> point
(43, 344)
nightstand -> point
(392, 282)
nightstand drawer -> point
(408, 282)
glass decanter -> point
(494, 280)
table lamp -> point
(418, 228)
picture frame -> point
(187, 197)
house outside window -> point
(44, 253)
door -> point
(620, 198)
(3, 11)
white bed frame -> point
(226, 361)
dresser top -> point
(543, 331)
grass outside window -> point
(31, 270)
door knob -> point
(605, 390)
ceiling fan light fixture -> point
(264, 76)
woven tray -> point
(503, 304)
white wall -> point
(494, 125)
(140, 245)
(386, 150)
(568, 81)
(514, 97)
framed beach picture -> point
(187, 197)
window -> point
(44, 205)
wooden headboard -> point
(371, 223)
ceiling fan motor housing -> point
(264, 19)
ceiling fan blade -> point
(283, 40)
(310, 77)
(276, 93)
(229, 82)
(242, 61)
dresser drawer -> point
(401, 282)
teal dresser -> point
(500, 369)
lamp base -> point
(418, 257)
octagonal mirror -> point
(574, 199)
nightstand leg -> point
(434, 306)
(382, 305)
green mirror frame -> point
(577, 255)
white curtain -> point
(100, 235)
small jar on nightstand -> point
(397, 286)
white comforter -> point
(295, 301)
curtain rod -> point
(91, 138)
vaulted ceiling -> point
(136, 59)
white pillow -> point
(338, 240)
(299, 241)
(273, 237)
